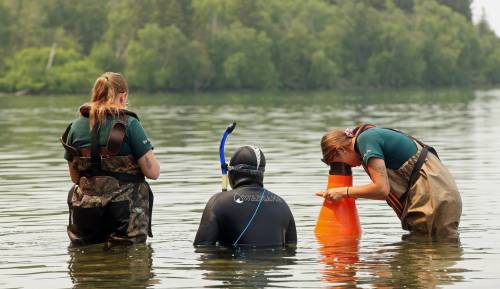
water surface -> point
(463, 125)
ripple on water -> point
(185, 131)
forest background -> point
(59, 46)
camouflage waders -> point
(111, 202)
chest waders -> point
(111, 200)
(423, 194)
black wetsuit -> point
(227, 214)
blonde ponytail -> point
(104, 100)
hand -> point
(333, 194)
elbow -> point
(153, 175)
(383, 192)
(152, 172)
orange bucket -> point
(338, 219)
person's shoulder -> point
(275, 197)
(215, 198)
(80, 120)
(79, 123)
(372, 133)
(133, 123)
(373, 130)
(218, 201)
(279, 203)
(131, 116)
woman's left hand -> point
(333, 194)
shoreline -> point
(28, 92)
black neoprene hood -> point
(246, 167)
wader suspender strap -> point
(117, 134)
(151, 202)
(396, 203)
(64, 141)
(95, 149)
(399, 204)
(421, 143)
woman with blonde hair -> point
(404, 171)
(109, 155)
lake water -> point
(463, 125)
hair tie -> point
(349, 132)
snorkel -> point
(223, 164)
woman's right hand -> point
(333, 194)
(149, 165)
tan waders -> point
(433, 205)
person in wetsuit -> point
(109, 155)
(405, 172)
(248, 215)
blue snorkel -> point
(223, 165)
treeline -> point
(62, 46)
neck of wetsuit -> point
(259, 186)
(247, 182)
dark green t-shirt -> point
(136, 141)
(393, 147)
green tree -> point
(162, 58)
(451, 47)
(5, 34)
(323, 72)
(490, 53)
(85, 20)
(125, 18)
(28, 70)
(178, 13)
(399, 60)
(460, 6)
(27, 19)
(294, 57)
(247, 44)
(72, 77)
(242, 58)
(356, 38)
(148, 66)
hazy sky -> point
(492, 10)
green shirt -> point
(393, 147)
(136, 141)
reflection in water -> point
(464, 127)
(118, 267)
(414, 262)
(249, 268)
(417, 262)
(339, 255)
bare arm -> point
(377, 190)
(149, 165)
(73, 173)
